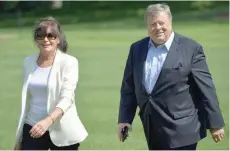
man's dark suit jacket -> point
(183, 103)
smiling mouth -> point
(45, 45)
(159, 33)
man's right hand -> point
(17, 146)
(119, 129)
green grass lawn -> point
(102, 54)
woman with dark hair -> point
(49, 118)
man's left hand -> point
(217, 134)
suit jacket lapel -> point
(29, 69)
(143, 54)
(52, 78)
(170, 59)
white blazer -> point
(62, 81)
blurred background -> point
(99, 34)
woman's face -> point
(47, 40)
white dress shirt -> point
(154, 62)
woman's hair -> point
(46, 22)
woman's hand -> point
(41, 127)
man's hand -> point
(217, 134)
(40, 128)
(119, 129)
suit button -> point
(150, 97)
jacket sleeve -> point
(67, 94)
(128, 102)
(205, 84)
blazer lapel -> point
(52, 78)
(143, 54)
(170, 59)
(30, 68)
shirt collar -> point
(167, 44)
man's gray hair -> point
(155, 9)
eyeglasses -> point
(40, 36)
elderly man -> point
(167, 77)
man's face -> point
(159, 27)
